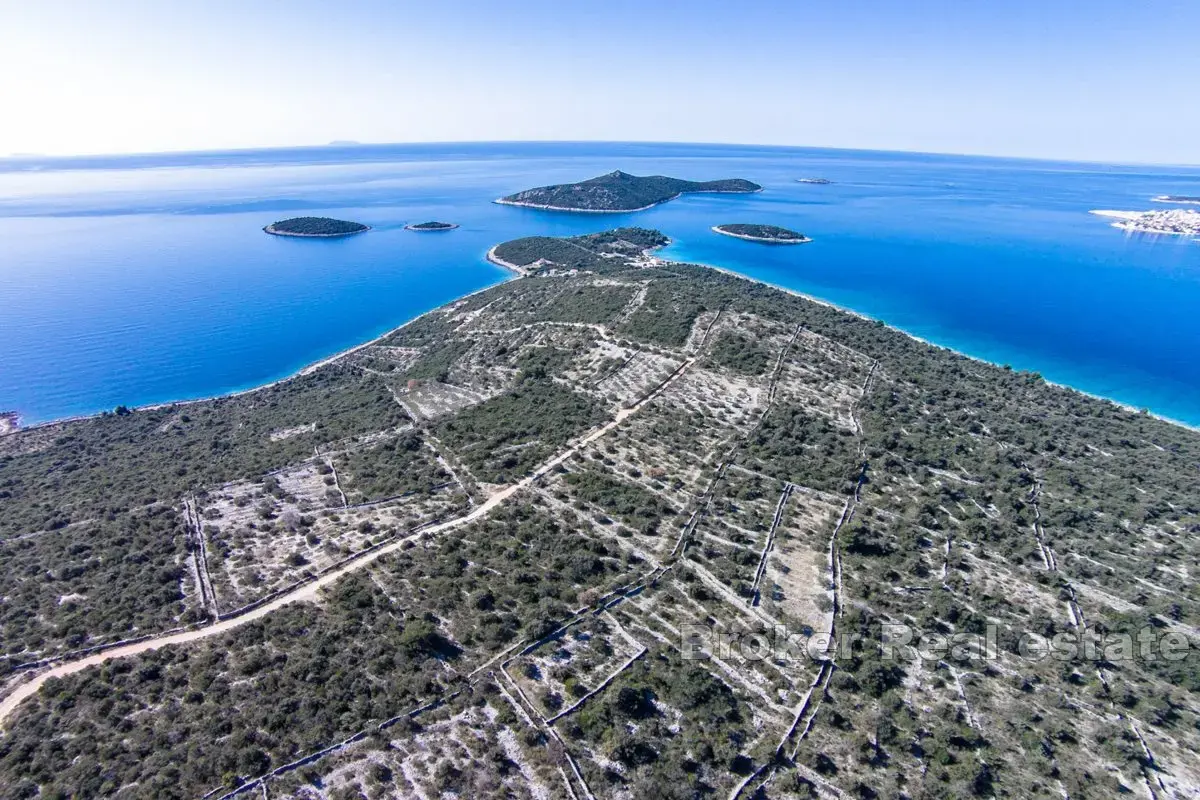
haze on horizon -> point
(1103, 81)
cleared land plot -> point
(571, 665)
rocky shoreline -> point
(619, 192)
(492, 258)
(272, 230)
(765, 239)
(9, 422)
(1174, 222)
(542, 207)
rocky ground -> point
(715, 541)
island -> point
(624, 527)
(1178, 198)
(770, 234)
(819, 181)
(315, 227)
(619, 191)
(431, 226)
(1176, 222)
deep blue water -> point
(145, 279)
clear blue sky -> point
(1100, 80)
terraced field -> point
(621, 528)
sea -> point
(141, 279)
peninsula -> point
(431, 226)
(1178, 198)
(1177, 222)
(771, 234)
(519, 547)
(619, 191)
(315, 227)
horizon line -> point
(347, 144)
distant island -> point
(315, 227)
(1179, 222)
(431, 226)
(1178, 198)
(771, 234)
(821, 181)
(619, 191)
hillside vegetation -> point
(767, 233)
(315, 226)
(568, 517)
(620, 191)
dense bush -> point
(620, 191)
(316, 226)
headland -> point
(1175, 222)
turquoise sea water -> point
(144, 279)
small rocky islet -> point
(769, 234)
(315, 227)
(431, 226)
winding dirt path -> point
(308, 592)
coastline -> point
(521, 272)
(271, 230)
(307, 369)
(543, 207)
(764, 239)
(829, 304)
(1129, 221)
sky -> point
(1096, 81)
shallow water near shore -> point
(146, 279)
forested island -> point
(619, 191)
(316, 227)
(431, 226)
(771, 234)
(621, 528)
